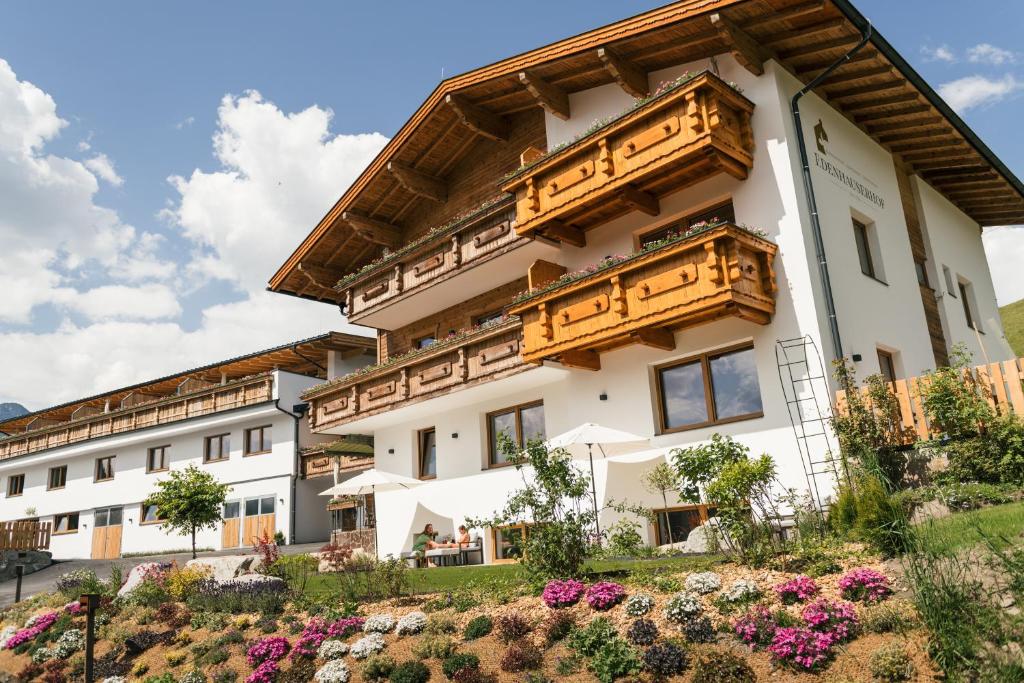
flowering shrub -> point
(334, 671)
(741, 590)
(313, 634)
(698, 629)
(703, 583)
(239, 596)
(665, 659)
(368, 645)
(865, 585)
(6, 634)
(77, 582)
(411, 623)
(512, 627)
(559, 593)
(182, 583)
(838, 620)
(33, 627)
(264, 673)
(70, 642)
(681, 607)
(800, 589)
(801, 647)
(74, 608)
(756, 628)
(332, 649)
(521, 655)
(639, 605)
(379, 623)
(642, 632)
(267, 649)
(605, 595)
(346, 626)
(459, 662)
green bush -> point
(377, 668)
(722, 666)
(522, 655)
(892, 616)
(439, 623)
(881, 521)
(557, 626)
(567, 666)
(459, 661)
(589, 639)
(891, 663)
(433, 646)
(614, 659)
(412, 671)
(478, 627)
(301, 670)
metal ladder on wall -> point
(806, 391)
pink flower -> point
(267, 650)
(756, 628)
(800, 589)
(39, 624)
(865, 585)
(801, 647)
(559, 593)
(264, 673)
(838, 620)
(605, 594)
(345, 627)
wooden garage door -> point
(106, 533)
(231, 529)
(260, 520)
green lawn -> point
(1013, 325)
(1004, 523)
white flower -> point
(70, 642)
(703, 582)
(740, 590)
(115, 679)
(411, 623)
(334, 671)
(367, 645)
(639, 604)
(43, 654)
(681, 607)
(379, 623)
(6, 634)
(193, 676)
(332, 649)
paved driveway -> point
(44, 580)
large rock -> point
(254, 580)
(706, 538)
(31, 560)
(136, 576)
(226, 567)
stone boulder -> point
(226, 567)
(136, 576)
(701, 540)
(255, 581)
(31, 560)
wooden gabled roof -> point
(304, 357)
(876, 89)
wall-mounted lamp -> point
(391, 451)
(857, 358)
(603, 396)
(281, 500)
(455, 435)
(131, 521)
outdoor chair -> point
(476, 546)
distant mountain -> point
(1013, 325)
(9, 410)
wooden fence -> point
(24, 535)
(1001, 384)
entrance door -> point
(231, 531)
(260, 520)
(106, 533)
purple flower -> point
(865, 585)
(800, 589)
(838, 620)
(757, 627)
(39, 624)
(559, 593)
(604, 595)
(264, 673)
(267, 650)
(345, 627)
(801, 647)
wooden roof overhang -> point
(876, 89)
(305, 357)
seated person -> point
(424, 541)
(463, 537)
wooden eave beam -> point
(318, 275)
(910, 135)
(803, 32)
(892, 115)
(628, 75)
(919, 122)
(794, 12)
(747, 51)
(867, 89)
(655, 337)
(558, 230)
(419, 183)
(478, 119)
(954, 153)
(373, 230)
(553, 99)
(582, 360)
(938, 142)
(814, 49)
(810, 71)
(637, 199)
(840, 77)
(880, 102)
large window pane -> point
(100, 517)
(115, 516)
(231, 510)
(267, 505)
(501, 423)
(150, 514)
(683, 399)
(428, 453)
(533, 423)
(734, 381)
(252, 507)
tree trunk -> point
(193, 543)
(668, 519)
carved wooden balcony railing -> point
(474, 241)
(486, 354)
(723, 271)
(237, 394)
(691, 132)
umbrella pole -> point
(376, 543)
(593, 489)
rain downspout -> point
(296, 465)
(812, 204)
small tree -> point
(189, 500)
(661, 479)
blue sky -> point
(151, 192)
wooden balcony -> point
(382, 296)
(722, 271)
(691, 132)
(240, 393)
(481, 356)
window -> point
(723, 212)
(886, 365)
(710, 389)
(232, 510)
(519, 423)
(428, 453)
(509, 542)
(57, 477)
(217, 448)
(947, 275)
(107, 517)
(424, 342)
(922, 273)
(673, 525)
(157, 459)
(15, 485)
(149, 514)
(104, 468)
(488, 318)
(867, 261)
(259, 506)
(965, 299)
(66, 523)
(257, 440)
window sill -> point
(499, 465)
(100, 481)
(705, 425)
(55, 488)
(157, 522)
(246, 455)
(872, 277)
(433, 476)
(215, 460)
(14, 495)
(64, 533)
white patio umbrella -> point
(371, 481)
(589, 435)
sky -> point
(159, 161)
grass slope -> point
(1013, 325)
(1003, 523)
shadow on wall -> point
(423, 516)
(623, 485)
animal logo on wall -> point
(821, 137)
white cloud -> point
(986, 53)
(119, 302)
(942, 53)
(280, 173)
(975, 91)
(103, 167)
(185, 123)
(1004, 247)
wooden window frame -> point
(688, 218)
(207, 440)
(709, 397)
(862, 241)
(142, 516)
(891, 359)
(701, 508)
(245, 440)
(96, 469)
(163, 457)
(517, 410)
(69, 531)
(11, 478)
(420, 435)
(965, 299)
(522, 527)
(49, 478)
